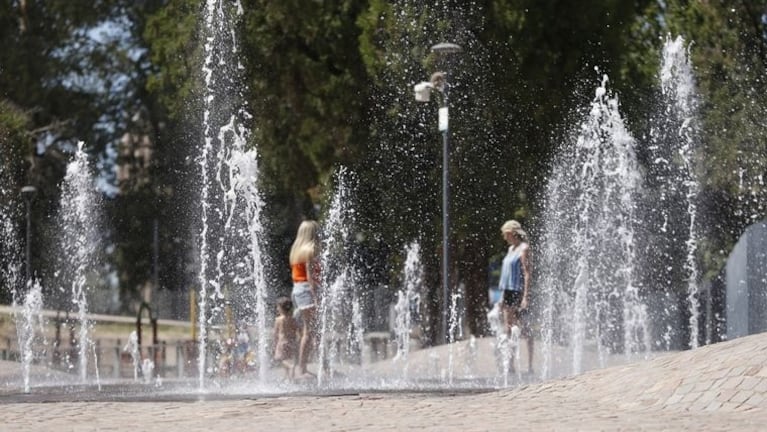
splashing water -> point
(10, 250)
(80, 221)
(245, 181)
(10, 275)
(338, 277)
(589, 239)
(408, 303)
(356, 329)
(454, 325)
(231, 236)
(30, 329)
(677, 157)
(132, 348)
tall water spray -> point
(588, 252)
(10, 250)
(408, 303)
(79, 240)
(339, 278)
(453, 332)
(30, 329)
(231, 233)
(674, 147)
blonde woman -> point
(304, 268)
(516, 276)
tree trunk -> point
(473, 268)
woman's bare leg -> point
(305, 346)
(530, 351)
(510, 318)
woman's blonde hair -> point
(510, 226)
(305, 246)
(514, 227)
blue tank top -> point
(512, 277)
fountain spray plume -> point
(589, 225)
(80, 222)
(30, 330)
(10, 249)
(231, 260)
(10, 272)
(339, 277)
(408, 304)
(680, 114)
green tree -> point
(728, 50)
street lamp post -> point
(439, 82)
(28, 192)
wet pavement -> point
(721, 387)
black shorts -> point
(512, 298)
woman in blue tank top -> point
(516, 275)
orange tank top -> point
(300, 273)
(298, 270)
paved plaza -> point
(721, 387)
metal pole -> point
(445, 230)
(443, 50)
(444, 122)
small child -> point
(285, 335)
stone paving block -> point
(703, 386)
(732, 382)
(726, 395)
(756, 400)
(674, 399)
(741, 396)
(719, 383)
(707, 397)
(737, 371)
(713, 406)
(719, 373)
(685, 388)
(691, 397)
(749, 382)
(664, 395)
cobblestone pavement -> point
(721, 387)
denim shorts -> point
(302, 296)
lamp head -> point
(446, 48)
(28, 192)
(423, 91)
